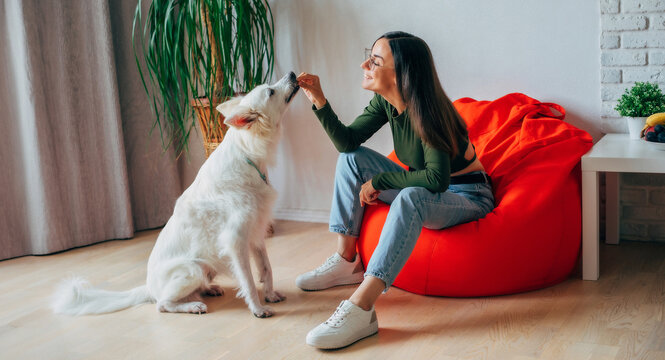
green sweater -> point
(429, 168)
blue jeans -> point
(411, 209)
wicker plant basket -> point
(213, 131)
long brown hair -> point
(432, 113)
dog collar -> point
(263, 176)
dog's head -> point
(261, 110)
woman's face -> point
(379, 69)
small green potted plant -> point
(638, 103)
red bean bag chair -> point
(532, 238)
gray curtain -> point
(77, 163)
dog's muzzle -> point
(293, 81)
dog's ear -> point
(242, 119)
(227, 106)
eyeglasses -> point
(372, 60)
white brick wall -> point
(642, 207)
(633, 49)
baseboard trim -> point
(306, 215)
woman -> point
(445, 185)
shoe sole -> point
(330, 286)
(342, 282)
(334, 347)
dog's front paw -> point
(275, 297)
(263, 312)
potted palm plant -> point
(192, 54)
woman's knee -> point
(409, 199)
(360, 152)
(350, 160)
(411, 195)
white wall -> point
(483, 49)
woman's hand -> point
(312, 88)
(368, 194)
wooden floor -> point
(620, 316)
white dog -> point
(217, 222)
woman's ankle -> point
(346, 247)
(360, 304)
(348, 256)
(367, 292)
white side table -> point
(613, 154)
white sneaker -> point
(348, 324)
(335, 271)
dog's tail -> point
(75, 297)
